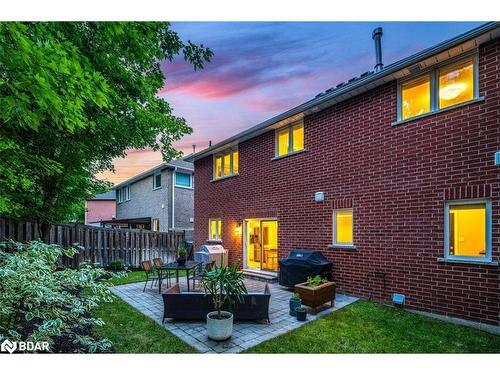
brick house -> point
(159, 199)
(391, 175)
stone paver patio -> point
(245, 334)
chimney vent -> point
(377, 37)
(194, 149)
(209, 143)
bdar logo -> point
(8, 346)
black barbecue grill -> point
(300, 264)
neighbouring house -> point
(392, 175)
(160, 199)
(100, 208)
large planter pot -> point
(219, 329)
(294, 303)
(316, 296)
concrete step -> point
(268, 277)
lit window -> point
(298, 137)
(290, 140)
(236, 167)
(218, 166)
(156, 225)
(342, 227)
(157, 180)
(442, 87)
(468, 230)
(456, 84)
(182, 179)
(283, 142)
(416, 97)
(226, 164)
(215, 228)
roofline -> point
(322, 99)
(148, 173)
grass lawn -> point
(131, 331)
(135, 277)
(365, 327)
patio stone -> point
(245, 334)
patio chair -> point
(200, 273)
(165, 274)
(150, 273)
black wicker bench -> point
(196, 305)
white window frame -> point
(153, 225)
(127, 193)
(231, 170)
(433, 74)
(219, 222)
(154, 180)
(335, 242)
(290, 139)
(464, 202)
(119, 195)
(190, 180)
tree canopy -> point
(75, 95)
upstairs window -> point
(126, 193)
(416, 97)
(226, 164)
(456, 84)
(442, 87)
(342, 227)
(157, 180)
(290, 140)
(215, 229)
(468, 230)
(119, 196)
(183, 179)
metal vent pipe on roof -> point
(377, 37)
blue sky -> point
(261, 69)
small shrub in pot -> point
(295, 302)
(301, 313)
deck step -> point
(268, 277)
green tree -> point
(73, 96)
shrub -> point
(117, 265)
(315, 281)
(40, 303)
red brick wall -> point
(396, 179)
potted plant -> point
(225, 285)
(181, 254)
(295, 302)
(301, 313)
(316, 291)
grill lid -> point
(212, 249)
(302, 256)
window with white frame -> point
(215, 229)
(342, 227)
(289, 139)
(226, 164)
(468, 230)
(119, 196)
(126, 193)
(157, 180)
(156, 225)
(183, 180)
(442, 87)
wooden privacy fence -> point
(100, 245)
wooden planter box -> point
(317, 296)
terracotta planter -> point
(317, 296)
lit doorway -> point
(261, 244)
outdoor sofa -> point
(196, 305)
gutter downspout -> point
(173, 199)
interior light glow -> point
(452, 91)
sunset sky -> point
(262, 69)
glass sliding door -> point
(261, 244)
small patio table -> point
(174, 266)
